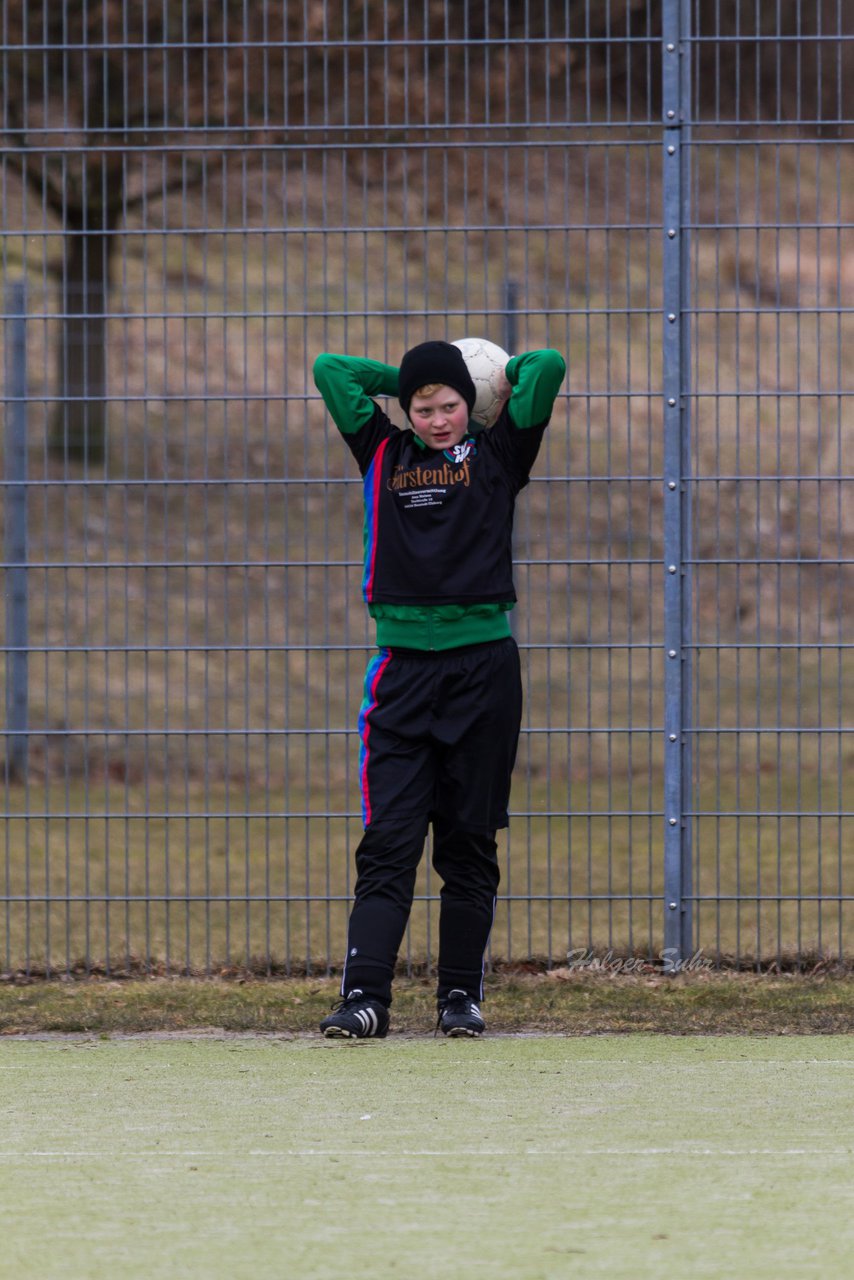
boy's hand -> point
(504, 388)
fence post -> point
(510, 340)
(676, 105)
(15, 460)
(511, 307)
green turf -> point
(520, 1157)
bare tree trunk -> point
(79, 428)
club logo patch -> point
(459, 453)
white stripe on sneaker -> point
(368, 1021)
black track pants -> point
(439, 733)
(386, 864)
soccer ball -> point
(485, 362)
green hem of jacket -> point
(442, 627)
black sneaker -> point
(460, 1016)
(356, 1018)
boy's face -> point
(440, 419)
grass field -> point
(516, 1157)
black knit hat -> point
(434, 362)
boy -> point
(439, 724)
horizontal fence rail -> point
(199, 200)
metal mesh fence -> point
(771, 802)
(199, 198)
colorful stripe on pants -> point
(373, 675)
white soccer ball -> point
(485, 362)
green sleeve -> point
(347, 384)
(535, 377)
